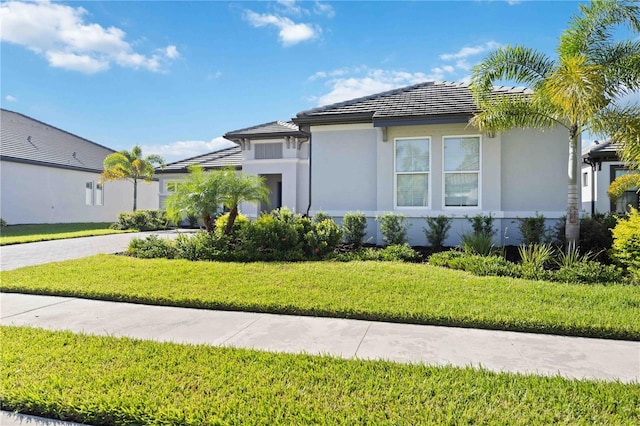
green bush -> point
(354, 228)
(204, 246)
(394, 253)
(482, 224)
(532, 229)
(595, 235)
(278, 235)
(478, 243)
(319, 217)
(437, 231)
(589, 272)
(3, 223)
(475, 264)
(393, 228)
(323, 238)
(151, 247)
(221, 223)
(626, 243)
(142, 220)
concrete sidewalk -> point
(571, 357)
(20, 255)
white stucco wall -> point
(522, 172)
(601, 179)
(38, 194)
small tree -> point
(199, 195)
(125, 165)
(438, 230)
(237, 188)
(354, 227)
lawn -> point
(19, 234)
(106, 380)
(385, 291)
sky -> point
(173, 77)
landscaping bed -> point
(384, 291)
(113, 381)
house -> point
(48, 175)
(601, 166)
(410, 151)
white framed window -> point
(99, 194)
(585, 179)
(172, 186)
(412, 164)
(88, 193)
(461, 158)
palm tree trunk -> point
(231, 220)
(135, 194)
(208, 222)
(572, 225)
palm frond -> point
(514, 63)
(622, 184)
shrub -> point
(151, 247)
(142, 220)
(482, 224)
(203, 246)
(393, 228)
(595, 235)
(626, 243)
(3, 223)
(571, 256)
(319, 217)
(276, 236)
(535, 258)
(478, 243)
(475, 264)
(438, 230)
(221, 223)
(589, 272)
(323, 238)
(532, 229)
(393, 253)
(354, 228)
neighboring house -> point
(601, 166)
(48, 175)
(410, 151)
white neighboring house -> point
(410, 151)
(601, 166)
(48, 175)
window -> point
(629, 198)
(585, 179)
(88, 193)
(173, 186)
(266, 151)
(99, 194)
(412, 172)
(461, 171)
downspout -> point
(310, 157)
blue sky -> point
(173, 77)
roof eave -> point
(267, 135)
(422, 120)
(327, 119)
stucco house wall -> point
(522, 172)
(39, 194)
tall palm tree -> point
(125, 165)
(239, 188)
(199, 194)
(577, 91)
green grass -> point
(387, 291)
(106, 380)
(19, 234)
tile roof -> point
(433, 98)
(601, 150)
(24, 139)
(266, 130)
(213, 160)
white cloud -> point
(324, 9)
(467, 52)
(369, 82)
(10, 98)
(60, 34)
(290, 32)
(181, 150)
(290, 7)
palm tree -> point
(125, 165)
(578, 90)
(239, 188)
(199, 194)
